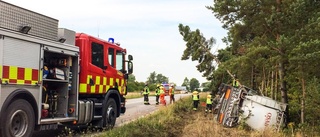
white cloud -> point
(147, 29)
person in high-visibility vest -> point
(235, 82)
(146, 94)
(171, 94)
(209, 103)
(157, 94)
(162, 95)
(195, 98)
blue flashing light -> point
(111, 40)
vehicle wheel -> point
(110, 114)
(18, 120)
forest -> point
(272, 47)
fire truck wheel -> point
(18, 119)
(110, 114)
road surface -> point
(135, 109)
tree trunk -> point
(263, 81)
(252, 77)
(283, 87)
(271, 84)
(276, 85)
(268, 83)
(303, 99)
(282, 72)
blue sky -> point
(148, 29)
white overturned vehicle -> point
(244, 104)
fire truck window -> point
(111, 57)
(97, 55)
(119, 61)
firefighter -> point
(146, 94)
(171, 93)
(195, 98)
(157, 94)
(209, 103)
(162, 95)
(235, 82)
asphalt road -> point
(135, 109)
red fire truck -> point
(166, 87)
(51, 76)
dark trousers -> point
(157, 99)
(172, 98)
(209, 107)
(195, 104)
(146, 98)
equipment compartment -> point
(55, 93)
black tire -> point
(18, 119)
(110, 114)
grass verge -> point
(179, 120)
(132, 95)
(168, 121)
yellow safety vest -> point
(146, 90)
(195, 97)
(209, 99)
(235, 83)
(157, 91)
(161, 91)
(171, 91)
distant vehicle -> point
(181, 89)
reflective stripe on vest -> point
(235, 83)
(146, 90)
(157, 91)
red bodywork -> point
(98, 75)
(166, 88)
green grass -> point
(168, 121)
(179, 120)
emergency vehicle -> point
(244, 104)
(166, 88)
(51, 76)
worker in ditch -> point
(157, 94)
(146, 94)
(171, 94)
(195, 98)
(162, 95)
(235, 82)
(209, 102)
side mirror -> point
(130, 57)
(130, 67)
(126, 76)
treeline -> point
(273, 46)
(154, 79)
